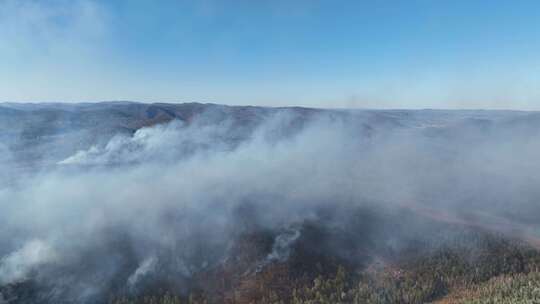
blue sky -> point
(367, 54)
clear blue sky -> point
(376, 54)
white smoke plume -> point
(282, 245)
(175, 195)
(17, 265)
(147, 266)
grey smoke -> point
(147, 266)
(281, 248)
(166, 199)
(17, 265)
(168, 141)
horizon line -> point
(120, 101)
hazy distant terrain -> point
(50, 131)
(127, 202)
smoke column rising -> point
(170, 199)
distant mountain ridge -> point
(34, 130)
(245, 204)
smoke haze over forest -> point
(135, 194)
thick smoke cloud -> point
(172, 198)
(17, 265)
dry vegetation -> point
(492, 270)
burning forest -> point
(200, 203)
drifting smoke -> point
(282, 245)
(169, 200)
(147, 266)
(170, 142)
(16, 266)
